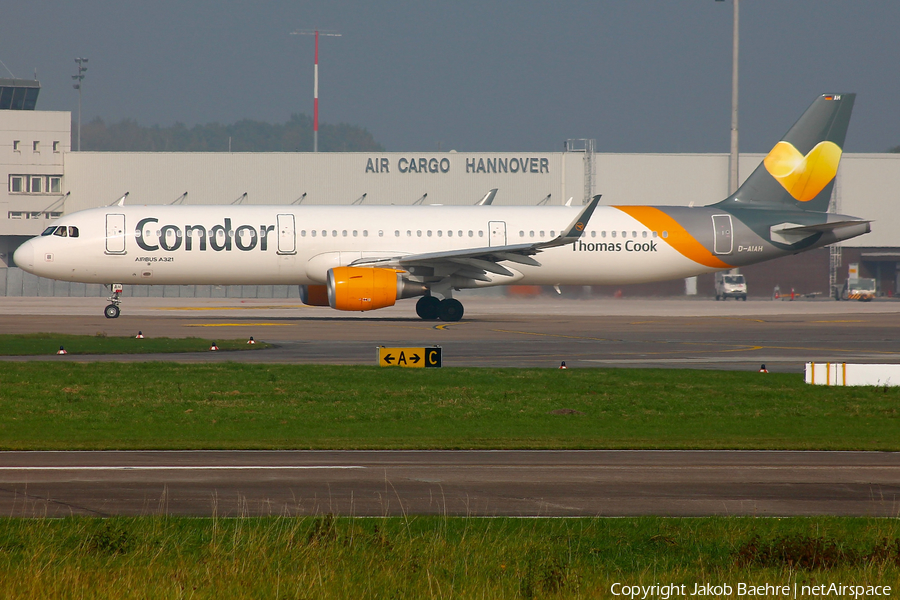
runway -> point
(498, 332)
(453, 483)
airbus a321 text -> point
(358, 258)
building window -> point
(16, 146)
(16, 183)
(56, 146)
(37, 146)
(55, 185)
(36, 186)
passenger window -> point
(313, 233)
(334, 233)
(303, 233)
(440, 233)
(380, 233)
(644, 234)
(344, 233)
(655, 234)
(396, 233)
(552, 233)
(419, 233)
(593, 234)
(460, 233)
(665, 234)
(634, 234)
(354, 233)
(450, 233)
(612, 233)
(49, 230)
(521, 234)
(530, 234)
(408, 233)
(480, 233)
(603, 234)
(428, 233)
(61, 232)
(365, 233)
(542, 234)
(470, 233)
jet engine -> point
(314, 295)
(368, 288)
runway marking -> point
(559, 335)
(283, 306)
(446, 325)
(183, 468)
(237, 325)
(841, 321)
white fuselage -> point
(231, 245)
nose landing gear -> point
(112, 309)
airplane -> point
(360, 258)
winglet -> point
(120, 201)
(488, 198)
(575, 228)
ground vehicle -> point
(730, 285)
(862, 289)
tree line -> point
(296, 135)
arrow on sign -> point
(414, 358)
(388, 358)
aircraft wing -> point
(475, 263)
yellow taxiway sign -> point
(409, 357)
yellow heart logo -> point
(803, 176)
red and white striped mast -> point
(316, 81)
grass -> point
(239, 406)
(431, 557)
(35, 344)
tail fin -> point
(799, 171)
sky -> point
(502, 75)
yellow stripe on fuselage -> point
(678, 237)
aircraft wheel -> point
(450, 310)
(718, 297)
(111, 311)
(428, 308)
(744, 298)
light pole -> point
(733, 163)
(79, 78)
(316, 81)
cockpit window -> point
(61, 232)
(73, 231)
(49, 230)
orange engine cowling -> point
(367, 288)
(314, 295)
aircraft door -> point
(287, 235)
(498, 233)
(115, 234)
(724, 242)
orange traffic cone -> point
(563, 365)
(61, 350)
(139, 336)
(763, 369)
(251, 340)
(213, 346)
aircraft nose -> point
(23, 257)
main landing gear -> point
(112, 310)
(430, 309)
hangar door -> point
(115, 234)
